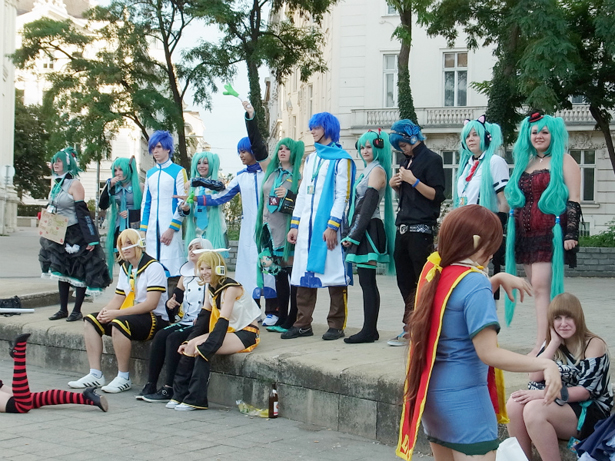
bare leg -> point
(541, 283)
(461, 457)
(93, 345)
(441, 453)
(122, 346)
(231, 344)
(516, 427)
(546, 424)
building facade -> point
(360, 88)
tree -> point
(30, 153)
(548, 51)
(281, 45)
(123, 79)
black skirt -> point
(373, 245)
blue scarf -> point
(254, 168)
(317, 254)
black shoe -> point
(361, 337)
(296, 332)
(150, 388)
(333, 333)
(162, 396)
(59, 315)
(74, 316)
(99, 400)
(22, 338)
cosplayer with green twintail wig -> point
(276, 203)
(122, 196)
(68, 157)
(202, 221)
(543, 194)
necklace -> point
(541, 157)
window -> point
(577, 100)
(455, 79)
(48, 63)
(310, 101)
(294, 78)
(294, 128)
(450, 158)
(390, 80)
(391, 9)
(587, 161)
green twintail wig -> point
(68, 156)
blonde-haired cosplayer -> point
(226, 325)
(130, 238)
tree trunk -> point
(603, 124)
(404, 91)
(256, 98)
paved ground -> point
(139, 430)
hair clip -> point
(476, 240)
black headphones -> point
(378, 143)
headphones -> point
(378, 143)
(140, 241)
(220, 269)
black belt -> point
(420, 228)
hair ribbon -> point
(435, 259)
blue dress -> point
(458, 411)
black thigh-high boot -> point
(371, 307)
(197, 394)
(183, 375)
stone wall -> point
(594, 262)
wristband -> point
(564, 397)
(416, 183)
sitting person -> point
(190, 294)
(19, 399)
(136, 312)
(586, 398)
(226, 325)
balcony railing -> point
(450, 117)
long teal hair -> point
(553, 200)
(68, 156)
(214, 232)
(384, 156)
(483, 130)
(131, 175)
(297, 148)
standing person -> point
(483, 174)
(276, 205)
(253, 153)
(319, 214)
(454, 341)
(19, 399)
(78, 261)
(160, 218)
(543, 193)
(226, 325)
(584, 364)
(136, 312)
(187, 300)
(204, 222)
(420, 188)
(370, 241)
(122, 193)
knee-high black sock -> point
(282, 288)
(63, 288)
(371, 307)
(79, 297)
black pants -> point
(411, 252)
(164, 350)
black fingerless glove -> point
(214, 341)
(573, 215)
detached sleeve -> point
(219, 199)
(105, 196)
(86, 224)
(259, 148)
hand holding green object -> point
(229, 91)
(190, 198)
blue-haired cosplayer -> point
(208, 223)
(320, 212)
(247, 182)
(543, 194)
(78, 260)
(370, 240)
(121, 196)
(160, 218)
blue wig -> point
(327, 122)
(244, 144)
(405, 131)
(68, 156)
(164, 138)
(552, 201)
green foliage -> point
(603, 239)
(30, 154)
(232, 213)
(28, 210)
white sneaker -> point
(88, 380)
(184, 407)
(270, 320)
(117, 385)
(172, 404)
(398, 340)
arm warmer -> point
(179, 297)
(573, 213)
(88, 229)
(202, 324)
(364, 215)
(104, 200)
(214, 341)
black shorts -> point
(593, 415)
(249, 337)
(139, 327)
